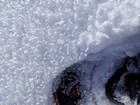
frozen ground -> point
(39, 38)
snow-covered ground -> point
(40, 38)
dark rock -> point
(131, 74)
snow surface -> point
(40, 38)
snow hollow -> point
(40, 38)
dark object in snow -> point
(111, 85)
(130, 72)
(68, 89)
(133, 86)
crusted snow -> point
(39, 38)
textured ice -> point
(39, 38)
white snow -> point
(40, 38)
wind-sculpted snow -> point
(40, 38)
